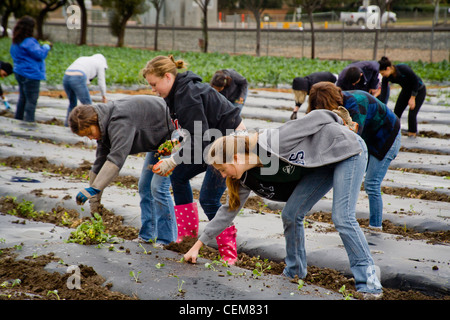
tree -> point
(256, 7)
(203, 5)
(119, 14)
(310, 6)
(18, 8)
(49, 6)
(158, 4)
(83, 33)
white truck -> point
(364, 13)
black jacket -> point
(305, 83)
(406, 78)
(197, 107)
(369, 79)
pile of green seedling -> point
(24, 209)
(91, 232)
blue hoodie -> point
(28, 57)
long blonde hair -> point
(160, 65)
(223, 150)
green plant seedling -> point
(135, 276)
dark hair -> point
(220, 79)
(352, 74)
(82, 117)
(325, 95)
(23, 29)
(7, 67)
(384, 63)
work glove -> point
(164, 167)
(343, 113)
(86, 194)
(94, 202)
(106, 175)
(294, 115)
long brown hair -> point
(222, 151)
(325, 95)
(82, 117)
(23, 29)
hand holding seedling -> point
(167, 148)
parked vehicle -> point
(364, 13)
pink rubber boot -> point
(187, 220)
(226, 241)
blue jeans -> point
(345, 178)
(212, 189)
(376, 170)
(157, 212)
(76, 89)
(28, 97)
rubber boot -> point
(187, 220)
(226, 241)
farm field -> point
(412, 251)
(41, 237)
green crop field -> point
(125, 65)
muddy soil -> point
(35, 283)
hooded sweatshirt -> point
(237, 88)
(130, 125)
(316, 140)
(197, 107)
(92, 66)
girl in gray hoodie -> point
(297, 163)
(122, 127)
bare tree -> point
(49, 6)
(383, 5)
(310, 6)
(83, 31)
(119, 14)
(158, 4)
(256, 7)
(203, 5)
(8, 7)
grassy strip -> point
(125, 65)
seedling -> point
(180, 284)
(345, 294)
(145, 251)
(301, 283)
(259, 270)
(55, 292)
(135, 276)
(159, 265)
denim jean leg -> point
(157, 212)
(182, 191)
(76, 89)
(20, 107)
(29, 94)
(376, 171)
(211, 192)
(347, 179)
(308, 192)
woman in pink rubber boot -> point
(297, 163)
(196, 109)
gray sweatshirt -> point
(315, 140)
(130, 125)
